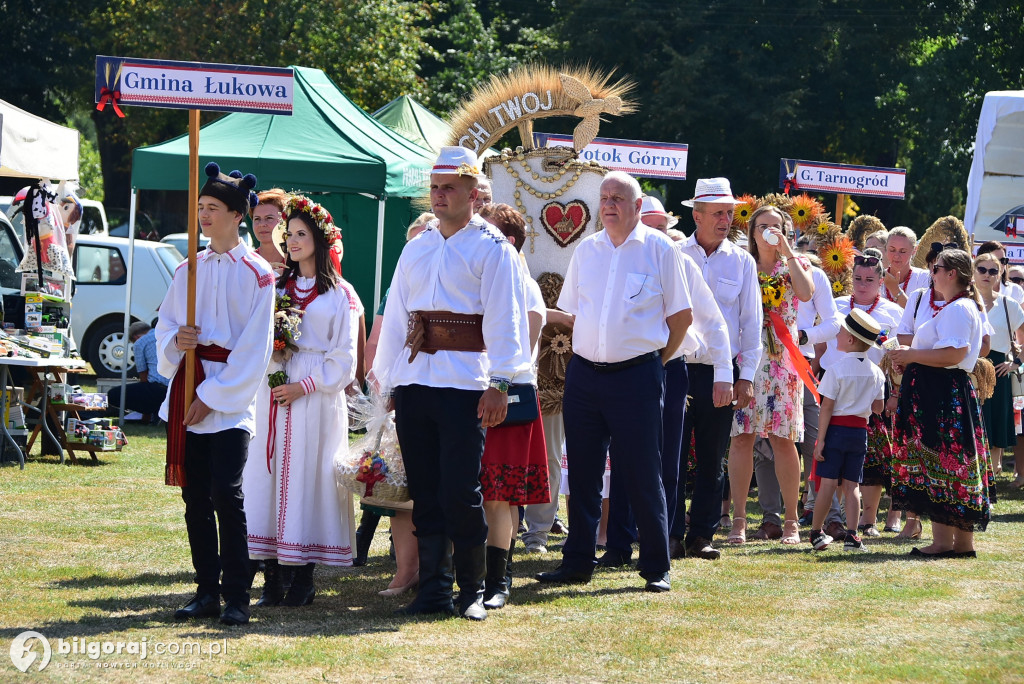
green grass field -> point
(99, 553)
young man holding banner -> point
(207, 444)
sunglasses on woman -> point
(1017, 279)
(936, 267)
(861, 260)
(986, 271)
(938, 246)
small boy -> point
(207, 445)
(851, 391)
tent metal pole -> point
(128, 302)
(380, 253)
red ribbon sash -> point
(800, 365)
(174, 471)
(849, 421)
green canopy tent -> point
(366, 172)
(410, 119)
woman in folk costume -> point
(296, 513)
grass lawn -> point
(99, 553)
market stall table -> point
(38, 370)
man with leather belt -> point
(627, 289)
(207, 446)
(448, 347)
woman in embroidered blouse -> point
(776, 409)
(296, 514)
(941, 455)
(900, 277)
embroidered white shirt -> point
(234, 309)
(958, 325)
(475, 271)
(853, 382)
(622, 295)
(821, 307)
(731, 273)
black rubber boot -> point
(302, 591)
(434, 595)
(470, 572)
(496, 586)
(364, 537)
(273, 584)
(508, 565)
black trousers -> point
(442, 446)
(709, 427)
(144, 397)
(213, 468)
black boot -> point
(273, 584)
(496, 586)
(302, 591)
(364, 537)
(470, 572)
(434, 595)
(508, 565)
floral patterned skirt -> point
(515, 465)
(878, 463)
(940, 460)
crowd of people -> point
(700, 365)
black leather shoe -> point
(562, 575)
(964, 554)
(676, 548)
(234, 615)
(614, 559)
(702, 548)
(658, 584)
(917, 554)
(206, 605)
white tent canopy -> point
(996, 182)
(32, 147)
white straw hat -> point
(457, 160)
(652, 206)
(863, 326)
(712, 191)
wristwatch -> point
(499, 384)
(803, 338)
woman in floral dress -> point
(776, 409)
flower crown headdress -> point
(321, 217)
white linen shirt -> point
(235, 310)
(1013, 291)
(997, 317)
(821, 305)
(887, 314)
(731, 273)
(475, 271)
(707, 338)
(526, 369)
(919, 311)
(959, 324)
(853, 382)
(919, 277)
(622, 295)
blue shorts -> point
(845, 451)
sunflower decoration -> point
(823, 230)
(747, 205)
(843, 285)
(804, 210)
(773, 290)
(837, 256)
(552, 359)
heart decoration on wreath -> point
(565, 222)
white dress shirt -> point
(1003, 308)
(853, 382)
(822, 306)
(235, 310)
(475, 271)
(622, 295)
(888, 315)
(526, 370)
(707, 338)
(919, 277)
(731, 273)
(959, 324)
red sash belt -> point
(800, 365)
(849, 421)
(174, 473)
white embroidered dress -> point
(294, 510)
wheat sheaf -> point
(496, 107)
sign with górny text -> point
(867, 181)
(193, 85)
(635, 157)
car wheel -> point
(105, 350)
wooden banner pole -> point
(840, 209)
(193, 244)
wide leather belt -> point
(434, 331)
